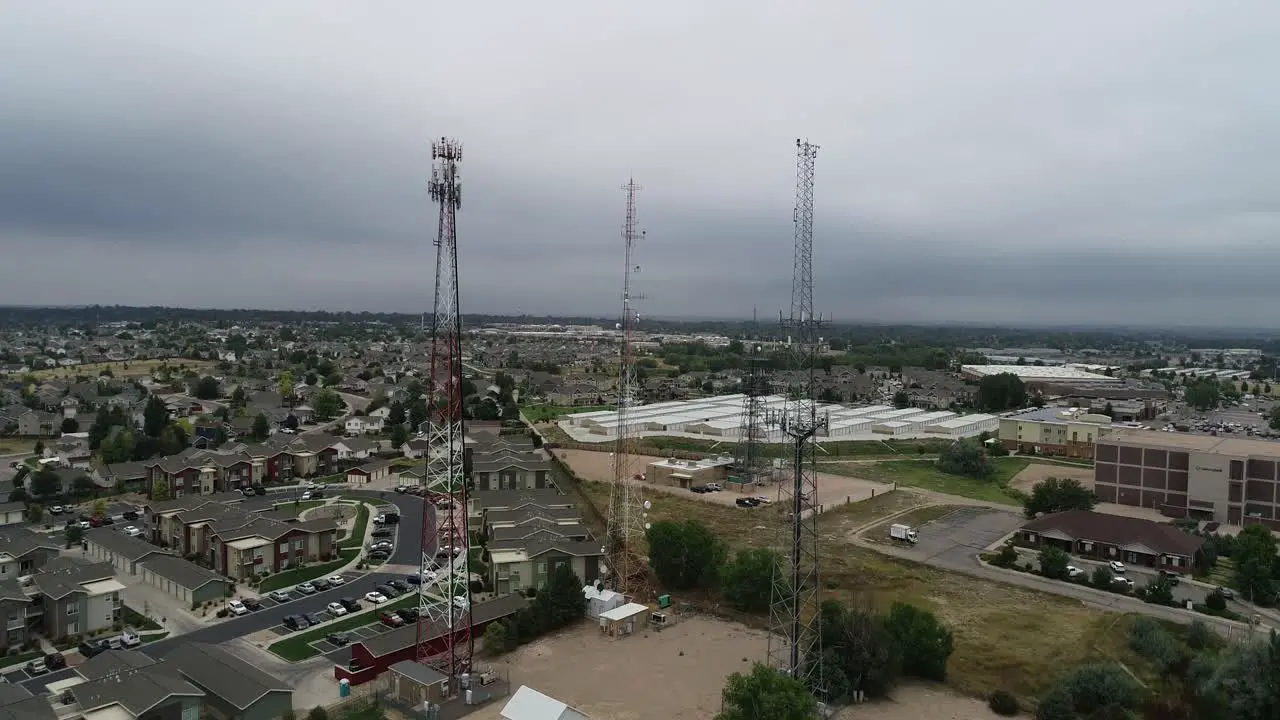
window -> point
(73, 609)
(284, 547)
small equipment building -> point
(624, 620)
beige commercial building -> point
(1231, 480)
(1069, 432)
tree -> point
(238, 398)
(1054, 562)
(35, 511)
(965, 457)
(858, 653)
(327, 405)
(1242, 682)
(285, 386)
(1255, 555)
(495, 638)
(766, 694)
(1102, 578)
(901, 399)
(310, 378)
(261, 427)
(45, 483)
(1100, 690)
(1158, 592)
(155, 417)
(925, 642)
(160, 491)
(685, 555)
(1002, 391)
(69, 425)
(563, 598)
(118, 448)
(99, 508)
(1204, 394)
(206, 388)
(747, 582)
(1058, 495)
(399, 436)
(75, 534)
(396, 413)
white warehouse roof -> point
(1036, 372)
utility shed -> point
(414, 683)
(624, 620)
(529, 704)
(601, 600)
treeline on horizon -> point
(858, 334)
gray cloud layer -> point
(990, 161)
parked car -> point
(315, 618)
(375, 597)
(259, 490)
(413, 579)
(1073, 571)
(130, 639)
(400, 585)
(1117, 567)
(237, 608)
(1226, 592)
(391, 619)
(280, 596)
(254, 604)
(1170, 577)
(320, 584)
(337, 609)
(55, 661)
(55, 510)
(306, 588)
(409, 614)
(746, 502)
(131, 531)
(37, 667)
(336, 580)
(386, 590)
(295, 622)
(383, 533)
(338, 638)
(378, 555)
(460, 601)
(89, 648)
(402, 489)
(700, 489)
(381, 545)
(350, 603)
(130, 515)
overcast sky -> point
(981, 161)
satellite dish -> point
(648, 505)
(647, 526)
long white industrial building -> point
(720, 418)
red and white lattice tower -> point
(628, 510)
(444, 603)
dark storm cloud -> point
(997, 162)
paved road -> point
(406, 552)
(954, 541)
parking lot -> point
(959, 536)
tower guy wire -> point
(444, 593)
(627, 520)
(795, 645)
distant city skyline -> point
(984, 164)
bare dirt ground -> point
(678, 675)
(1036, 473)
(833, 490)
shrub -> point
(223, 612)
(1216, 601)
(1004, 703)
(1199, 636)
(318, 713)
(1007, 557)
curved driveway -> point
(408, 541)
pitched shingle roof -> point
(1119, 531)
(222, 674)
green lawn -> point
(296, 508)
(547, 413)
(297, 647)
(1223, 572)
(925, 475)
(356, 538)
(310, 572)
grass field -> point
(1006, 637)
(924, 475)
(356, 538)
(1223, 572)
(289, 578)
(131, 368)
(16, 446)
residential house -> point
(233, 688)
(355, 448)
(541, 529)
(1114, 537)
(575, 395)
(416, 448)
(38, 423)
(236, 542)
(200, 472)
(14, 607)
(78, 596)
(378, 471)
(519, 564)
(362, 425)
(131, 476)
(70, 451)
(13, 513)
(493, 510)
(510, 471)
(130, 685)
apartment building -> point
(77, 597)
(1230, 480)
(516, 565)
(1067, 432)
(22, 552)
(240, 539)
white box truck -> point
(905, 533)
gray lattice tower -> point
(444, 603)
(628, 510)
(794, 643)
(749, 462)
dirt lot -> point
(833, 490)
(1035, 473)
(677, 675)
